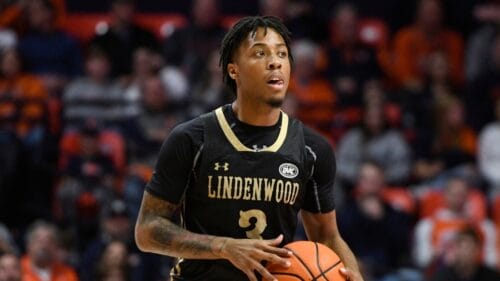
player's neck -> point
(254, 114)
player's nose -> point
(274, 63)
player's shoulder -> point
(316, 141)
(191, 130)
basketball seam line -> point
(331, 267)
(317, 262)
(302, 262)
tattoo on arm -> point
(165, 237)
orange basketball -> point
(310, 261)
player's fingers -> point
(346, 273)
(282, 252)
(250, 274)
(264, 273)
(276, 259)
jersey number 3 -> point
(254, 222)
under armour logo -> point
(218, 166)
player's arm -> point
(318, 213)
(323, 228)
(156, 233)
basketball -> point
(310, 261)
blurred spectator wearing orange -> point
(414, 44)
(455, 142)
(313, 95)
(41, 262)
(15, 83)
(433, 235)
(87, 181)
(14, 15)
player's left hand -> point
(351, 275)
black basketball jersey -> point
(243, 192)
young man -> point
(240, 174)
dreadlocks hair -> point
(237, 34)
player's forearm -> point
(161, 236)
(340, 247)
(156, 233)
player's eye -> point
(282, 54)
(259, 53)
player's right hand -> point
(247, 255)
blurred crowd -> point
(407, 93)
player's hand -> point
(247, 255)
(351, 275)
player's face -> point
(261, 67)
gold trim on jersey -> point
(231, 137)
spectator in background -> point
(351, 62)
(94, 95)
(433, 235)
(10, 269)
(15, 84)
(209, 92)
(189, 48)
(414, 44)
(481, 41)
(47, 51)
(116, 234)
(123, 38)
(419, 117)
(26, 96)
(114, 262)
(454, 141)
(464, 262)
(10, 161)
(90, 172)
(41, 261)
(299, 16)
(7, 244)
(155, 122)
(13, 14)
(313, 95)
(378, 233)
(145, 135)
(489, 153)
(485, 89)
(145, 62)
(373, 141)
(114, 226)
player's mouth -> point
(276, 82)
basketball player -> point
(239, 175)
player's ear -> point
(232, 69)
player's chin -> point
(275, 101)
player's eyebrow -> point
(258, 44)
